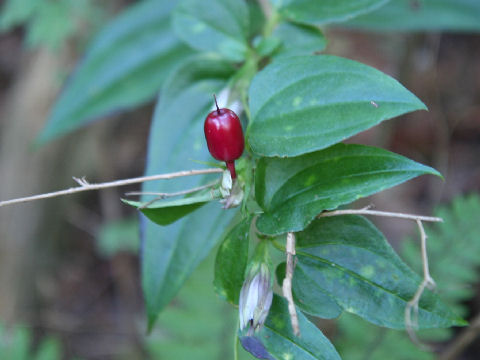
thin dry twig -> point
(366, 211)
(427, 282)
(86, 186)
(287, 282)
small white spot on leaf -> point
(198, 28)
(297, 101)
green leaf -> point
(266, 46)
(219, 26)
(193, 70)
(306, 103)
(125, 66)
(348, 258)
(299, 39)
(311, 300)
(325, 11)
(422, 15)
(16, 12)
(170, 253)
(279, 341)
(231, 262)
(293, 191)
(452, 248)
(166, 212)
(52, 23)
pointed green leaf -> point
(280, 342)
(293, 191)
(324, 11)
(298, 39)
(166, 212)
(306, 103)
(125, 66)
(170, 253)
(219, 26)
(309, 299)
(348, 258)
(231, 262)
(424, 15)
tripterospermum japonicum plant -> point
(284, 108)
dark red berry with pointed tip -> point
(224, 135)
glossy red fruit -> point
(224, 135)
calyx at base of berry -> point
(231, 191)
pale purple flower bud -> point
(255, 298)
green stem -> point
(271, 24)
(240, 82)
(235, 342)
(261, 252)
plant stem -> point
(216, 104)
(86, 186)
(235, 343)
(287, 282)
(427, 282)
(271, 24)
(271, 15)
(366, 211)
(231, 168)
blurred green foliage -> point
(48, 22)
(16, 344)
(197, 324)
(118, 236)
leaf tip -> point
(460, 322)
(135, 204)
(41, 139)
(435, 172)
(152, 319)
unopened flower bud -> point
(255, 297)
(226, 185)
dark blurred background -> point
(69, 266)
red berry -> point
(224, 135)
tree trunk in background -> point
(24, 171)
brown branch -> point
(86, 186)
(427, 282)
(465, 338)
(366, 211)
